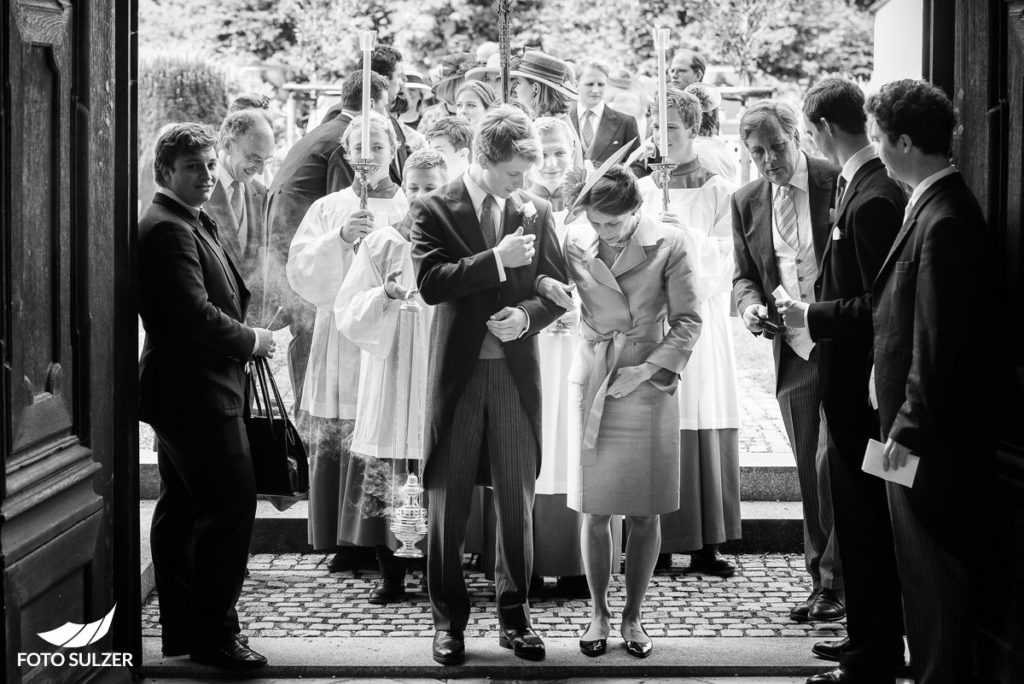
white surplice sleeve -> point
(362, 309)
(319, 257)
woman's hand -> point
(629, 378)
(358, 226)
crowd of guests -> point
(573, 370)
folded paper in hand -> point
(781, 295)
(873, 465)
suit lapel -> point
(604, 136)
(464, 219)
(598, 269)
(821, 186)
(908, 225)
(759, 233)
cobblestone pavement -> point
(293, 595)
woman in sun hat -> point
(447, 77)
(544, 86)
(417, 94)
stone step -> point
(362, 658)
(763, 477)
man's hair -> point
(549, 102)
(352, 89)
(249, 101)
(764, 110)
(917, 109)
(616, 192)
(377, 123)
(426, 158)
(546, 125)
(838, 101)
(686, 104)
(177, 140)
(455, 130)
(384, 60)
(483, 92)
(238, 123)
(506, 132)
(697, 62)
(595, 65)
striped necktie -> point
(587, 129)
(785, 216)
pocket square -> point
(836, 233)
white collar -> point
(225, 177)
(598, 110)
(929, 182)
(859, 159)
(477, 193)
(799, 179)
(170, 193)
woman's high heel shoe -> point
(639, 649)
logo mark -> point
(74, 635)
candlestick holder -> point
(364, 167)
(662, 176)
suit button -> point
(799, 261)
(800, 278)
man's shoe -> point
(574, 587)
(233, 655)
(827, 607)
(841, 675)
(800, 611)
(523, 641)
(830, 650)
(385, 592)
(173, 648)
(449, 647)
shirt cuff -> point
(501, 268)
(256, 342)
(527, 326)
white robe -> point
(374, 322)
(708, 393)
(318, 261)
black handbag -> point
(278, 456)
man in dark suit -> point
(935, 354)
(479, 245)
(870, 211)
(601, 129)
(780, 226)
(191, 390)
(238, 204)
(315, 166)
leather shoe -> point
(523, 641)
(173, 648)
(594, 648)
(708, 561)
(574, 587)
(233, 655)
(800, 611)
(639, 649)
(449, 647)
(385, 592)
(841, 675)
(827, 607)
(830, 650)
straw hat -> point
(452, 67)
(551, 71)
(621, 78)
(480, 73)
(415, 80)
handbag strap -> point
(262, 373)
(272, 383)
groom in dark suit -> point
(479, 245)
(937, 352)
(870, 211)
(780, 225)
(191, 390)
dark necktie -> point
(487, 221)
(208, 223)
(840, 190)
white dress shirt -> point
(477, 195)
(859, 159)
(598, 111)
(923, 186)
(798, 268)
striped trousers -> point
(489, 418)
(799, 395)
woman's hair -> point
(176, 140)
(709, 100)
(761, 112)
(616, 192)
(505, 132)
(377, 123)
(481, 90)
(546, 125)
(549, 102)
(686, 104)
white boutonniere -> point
(529, 213)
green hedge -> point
(174, 89)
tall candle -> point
(366, 43)
(660, 46)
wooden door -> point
(65, 402)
